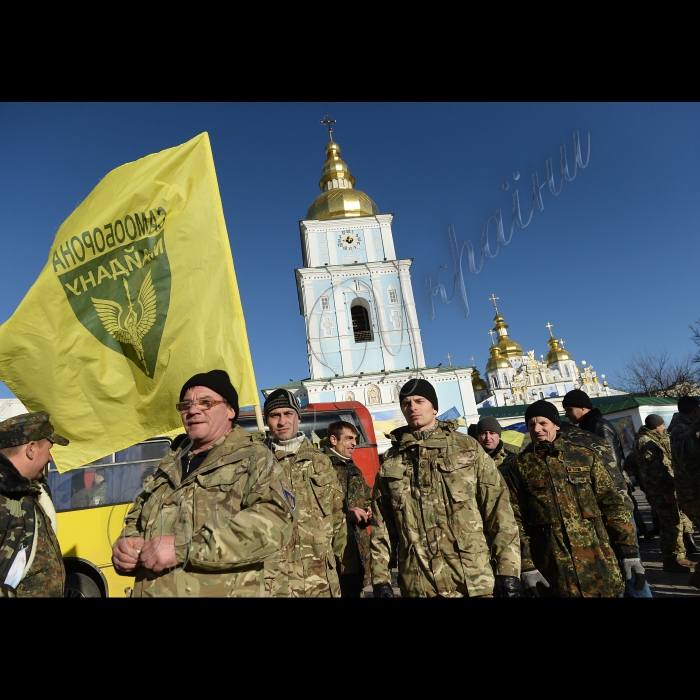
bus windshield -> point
(114, 479)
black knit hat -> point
(488, 423)
(217, 380)
(281, 398)
(654, 420)
(577, 399)
(419, 387)
(545, 409)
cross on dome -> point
(549, 326)
(494, 299)
(328, 122)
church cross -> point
(449, 359)
(550, 326)
(473, 361)
(494, 299)
(328, 122)
(562, 342)
(491, 334)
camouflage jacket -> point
(607, 456)
(685, 457)
(232, 518)
(24, 511)
(316, 551)
(442, 509)
(356, 494)
(573, 523)
(500, 455)
(653, 454)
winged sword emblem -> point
(135, 325)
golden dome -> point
(339, 198)
(478, 384)
(556, 354)
(496, 362)
(508, 347)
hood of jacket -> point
(679, 422)
(12, 483)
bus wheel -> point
(81, 586)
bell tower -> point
(355, 296)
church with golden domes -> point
(363, 338)
(517, 378)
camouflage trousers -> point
(670, 526)
(691, 511)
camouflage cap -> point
(19, 430)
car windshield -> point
(117, 478)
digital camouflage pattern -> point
(232, 518)
(652, 453)
(19, 430)
(437, 498)
(317, 548)
(95, 495)
(21, 515)
(573, 523)
(356, 494)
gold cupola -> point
(339, 199)
(478, 384)
(508, 347)
(496, 362)
(555, 354)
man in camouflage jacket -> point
(488, 433)
(652, 450)
(573, 523)
(30, 556)
(316, 550)
(216, 516)
(357, 500)
(436, 500)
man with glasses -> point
(215, 518)
(31, 565)
(317, 548)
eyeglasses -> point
(204, 404)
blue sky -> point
(611, 262)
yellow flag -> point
(138, 294)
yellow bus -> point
(90, 515)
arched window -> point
(361, 326)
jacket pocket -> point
(394, 478)
(322, 486)
(580, 480)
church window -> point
(349, 396)
(325, 303)
(566, 371)
(361, 326)
(393, 296)
(495, 381)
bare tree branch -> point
(656, 374)
(696, 339)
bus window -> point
(123, 475)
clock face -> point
(349, 240)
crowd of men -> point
(268, 514)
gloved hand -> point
(530, 579)
(634, 566)
(383, 590)
(508, 587)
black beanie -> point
(419, 387)
(653, 420)
(281, 398)
(545, 409)
(217, 380)
(488, 423)
(577, 399)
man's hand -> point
(669, 498)
(125, 554)
(358, 515)
(530, 580)
(158, 554)
(633, 568)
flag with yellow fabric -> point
(139, 293)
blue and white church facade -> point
(362, 333)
